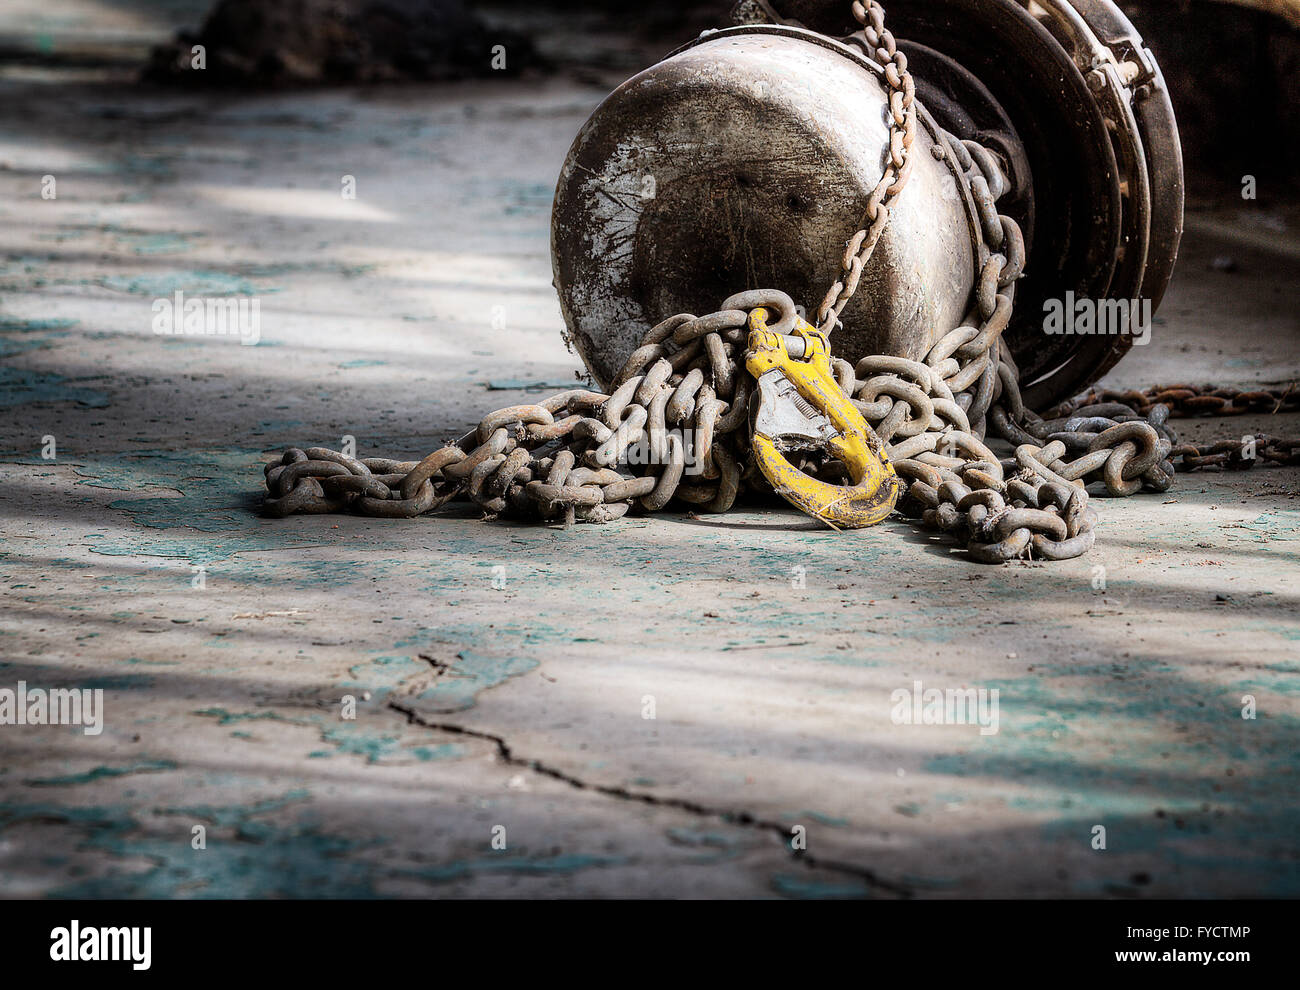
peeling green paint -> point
(101, 773)
(192, 283)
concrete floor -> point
(399, 318)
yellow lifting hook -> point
(799, 406)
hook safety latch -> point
(798, 406)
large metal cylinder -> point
(744, 160)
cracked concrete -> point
(518, 716)
(783, 831)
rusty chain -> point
(560, 456)
(1197, 400)
(683, 396)
(1208, 400)
(935, 415)
(902, 135)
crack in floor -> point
(730, 817)
(440, 667)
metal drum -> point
(745, 159)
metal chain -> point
(902, 135)
(686, 383)
(1189, 401)
(684, 394)
(1201, 400)
(934, 415)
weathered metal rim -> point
(1153, 214)
(1099, 262)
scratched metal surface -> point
(772, 703)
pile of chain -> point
(565, 457)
